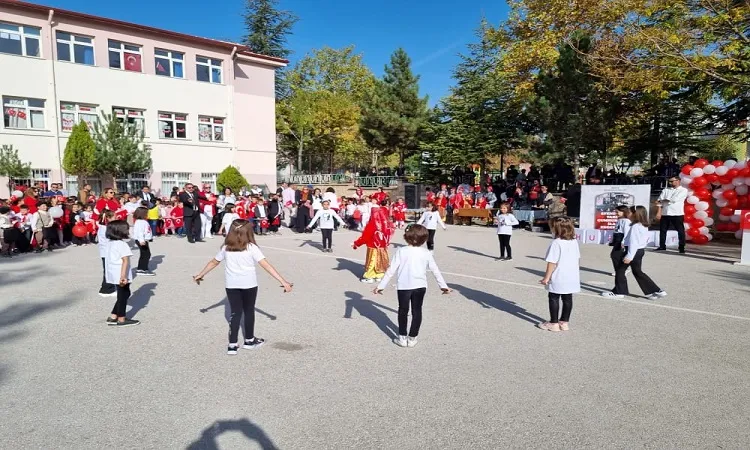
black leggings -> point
(144, 257)
(646, 284)
(430, 239)
(415, 297)
(327, 237)
(504, 245)
(241, 301)
(554, 307)
(107, 288)
(123, 294)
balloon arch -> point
(724, 184)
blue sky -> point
(432, 32)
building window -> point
(209, 178)
(23, 113)
(20, 39)
(132, 183)
(74, 48)
(75, 113)
(170, 180)
(169, 64)
(71, 183)
(132, 117)
(210, 129)
(37, 176)
(209, 70)
(172, 125)
(124, 56)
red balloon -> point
(731, 226)
(717, 163)
(710, 212)
(745, 172)
(697, 223)
(726, 211)
(80, 230)
(732, 203)
(686, 169)
(711, 177)
(721, 226)
(694, 232)
(730, 194)
(699, 182)
(689, 209)
(702, 193)
(743, 201)
(725, 180)
(732, 173)
(700, 239)
(701, 163)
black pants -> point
(192, 227)
(123, 294)
(675, 222)
(504, 245)
(430, 239)
(554, 307)
(616, 256)
(106, 288)
(415, 297)
(241, 301)
(144, 257)
(327, 237)
(644, 281)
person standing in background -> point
(288, 202)
(671, 213)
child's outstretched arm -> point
(209, 267)
(272, 271)
(432, 265)
(395, 262)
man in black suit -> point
(147, 196)
(192, 213)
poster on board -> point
(598, 203)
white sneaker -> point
(411, 341)
(400, 341)
(627, 272)
(610, 294)
(367, 280)
(660, 294)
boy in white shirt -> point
(328, 218)
(430, 219)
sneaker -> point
(367, 280)
(145, 273)
(128, 322)
(682, 251)
(549, 326)
(105, 294)
(660, 294)
(111, 321)
(660, 249)
(610, 294)
(401, 341)
(232, 349)
(509, 258)
(411, 341)
(253, 343)
(564, 326)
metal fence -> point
(375, 181)
(317, 178)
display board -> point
(598, 203)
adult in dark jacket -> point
(191, 212)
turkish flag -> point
(132, 62)
(159, 67)
(745, 215)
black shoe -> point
(682, 250)
(508, 259)
(128, 322)
(660, 249)
(111, 321)
(232, 350)
(191, 241)
(199, 240)
(253, 343)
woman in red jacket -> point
(29, 199)
(106, 202)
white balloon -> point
(717, 193)
(708, 221)
(685, 182)
(687, 225)
(742, 190)
(722, 170)
(730, 163)
(721, 202)
(738, 234)
(696, 172)
(56, 212)
(709, 169)
(693, 200)
(739, 166)
(727, 187)
(735, 218)
(700, 214)
(739, 181)
(710, 237)
(700, 206)
(723, 218)
(716, 183)
(703, 230)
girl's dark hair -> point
(106, 217)
(562, 228)
(4, 209)
(432, 206)
(640, 216)
(625, 210)
(141, 213)
(330, 189)
(118, 230)
(228, 207)
(416, 235)
(240, 235)
(506, 204)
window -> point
(133, 117)
(172, 126)
(210, 129)
(173, 179)
(71, 182)
(124, 56)
(37, 175)
(132, 183)
(169, 64)
(209, 178)
(209, 70)
(74, 48)
(74, 113)
(23, 113)
(20, 39)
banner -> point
(598, 203)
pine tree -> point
(120, 150)
(80, 153)
(231, 178)
(11, 165)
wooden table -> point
(464, 215)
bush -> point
(231, 178)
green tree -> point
(80, 153)
(341, 71)
(120, 149)
(11, 165)
(394, 112)
(231, 178)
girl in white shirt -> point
(142, 235)
(430, 219)
(240, 254)
(118, 271)
(229, 216)
(328, 218)
(562, 278)
(505, 221)
(634, 244)
(621, 230)
(411, 264)
(107, 289)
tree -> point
(341, 71)
(11, 165)
(80, 153)
(267, 31)
(394, 112)
(120, 150)
(231, 178)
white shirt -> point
(623, 225)
(672, 201)
(239, 267)
(430, 220)
(142, 231)
(636, 239)
(228, 219)
(331, 197)
(288, 196)
(116, 250)
(208, 209)
(317, 203)
(566, 279)
(130, 207)
(327, 219)
(411, 264)
(350, 208)
(224, 200)
(505, 223)
(102, 241)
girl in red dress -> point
(399, 213)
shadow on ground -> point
(348, 265)
(472, 252)
(228, 311)
(251, 431)
(371, 310)
(488, 300)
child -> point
(107, 289)
(177, 221)
(562, 277)
(23, 219)
(153, 218)
(7, 232)
(430, 219)
(241, 253)
(635, 241)
(142, 236)
(362, 214)
(328, 218)
(621, 230)
(399, 213)
(229, 216)
(44, 228)
(76, 216)
(505, 221)
(411, 263)
(118, 271)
